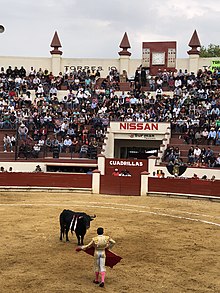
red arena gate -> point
(120, 185)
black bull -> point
(75, 222)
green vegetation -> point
(211, 51)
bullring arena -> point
(133, 142)
(167, 244)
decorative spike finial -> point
(125, 45)
(55, 44)
(194, 44)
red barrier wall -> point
(120, 185)
(46, 180)
(184, 186)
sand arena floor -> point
(168, 245)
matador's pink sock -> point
(102, 277)
(96, 276)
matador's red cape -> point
(111, 258)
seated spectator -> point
(99, 134)
(10, 169)
(13, 140)
(209, 157)
(67, 144)
(197, 153)
(191, 136)
(171, 156)
(167, 153)
(25, 150)
(202, 156)
(7, 143)
(83, 150)
(191, 156)
(41, 142)
(217, 161)
(36, 150)
(71, 132)
(177, 153)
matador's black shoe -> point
(102, 284)
(95, 282)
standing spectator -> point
(198, 136)
(217, 142)
(205, 134)
(116, 173)
(212, 136)
(22, 131)
(75, 145)
(63, 129)
(43, 132)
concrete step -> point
(7, 155)
(176, 140)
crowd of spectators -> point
(77, 123)
(196, 157)
(74, 124)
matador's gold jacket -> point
(100, 243)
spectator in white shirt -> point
(7, 143)
(197, 153)
(67, 143)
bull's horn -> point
(93, 217)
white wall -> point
(103, 64)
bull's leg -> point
(78, 238)
(82, 239)
(62, 230)
(61, 234)
(67, 230)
